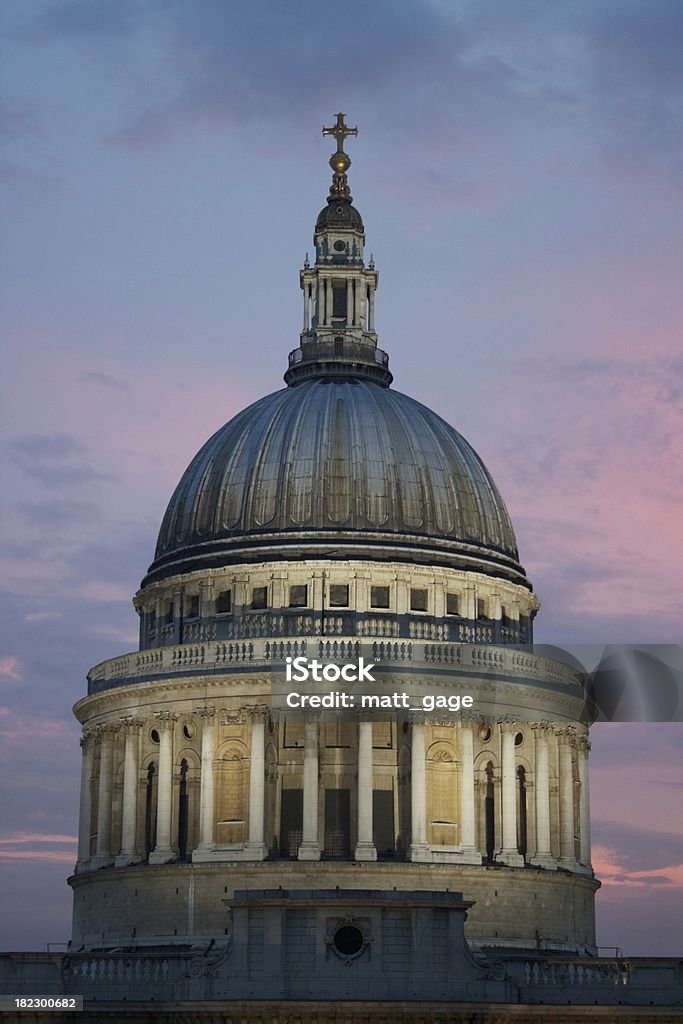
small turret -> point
(338, 335)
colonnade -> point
(571, 746)
(360, 301)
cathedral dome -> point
(337, 467)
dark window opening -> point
(291, 822)
(224, 602)
(481, 608)
(379, 597)
(489, 813)
(192, 611)
(152, 621)
(383, 822)
(259, 597)
(298, 596)
(339, 301)
(168, 615)
(337, 822)
(418, 600)
(182, 811)
(452, 604)
(339, 595)
(522, 816)
(339, 346)
(348, 940)
(150, 809)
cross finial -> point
(340, 161)
(340, 132)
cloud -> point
(636, 851)
(47, 458)
(105, 591)
(19, 120)
(80, 18)
(10, 668)
(59, 512)
(105, 380)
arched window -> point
(150, 809)
(521, 811)
(182, 811)
(490, 813)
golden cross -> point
(340, 131)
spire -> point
(338, 337)
(340, 161)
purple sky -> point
(520, 172)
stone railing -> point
(122, 969)
(426, 656)
(577, 972)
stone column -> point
(566, 779)
(349, 301)
(85, 807)
(584, 805)
(128, 853)
(365, 847)
(419, 850)
(470, 853)
(508, 853)
(543, 856)
(163, 851)
(470, 596)
(206, 790)
(371, 307)
(328, 301)
(104, 798)
(304, 288)
(310, 845)
(256, 847)
(177, 616)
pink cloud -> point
(104, 590)
(613, 874)
(9, 668)
(124, 636)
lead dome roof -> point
(337, 468)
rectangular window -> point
(452, 604)
(481, 608)
(259, 597)
(298, 596)
(339, 595)
(339, 301)
(418, 600)
(152, 620)
(192, 607)
(168, 614)
(379, 597)
(224, 602)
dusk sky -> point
(519, 168)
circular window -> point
(348, 940)
(188, 731)
(340, 246)
(154, 735)
(485, 733)
(519, 739)
(340, 209)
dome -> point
(339, 213)
(337, 468)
